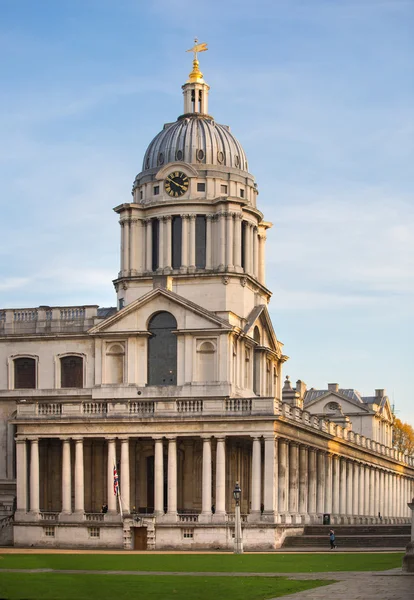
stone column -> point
(361, 502)
(79, 478)
(335, 485)
(66, 477)
(303, 483)
(283, 475)
(367, 489)
(185, 220)
(220, 479)
(270, 478)
(293, 480)
(328, 483)
(158, 477)
(255, 252)
(125, 485)
(172, 479)
(377, 503)
(133, 246)
(385, 492)
(248, 251)
(230, 241)
(342, 487)
(126, 246)
(222, 241)
(237, 241)
(262, 261)
(206, 492)
(349, 488)
(192, 241)
(312, 483)
(139, 254)
(112, 499)
(34, 476)
(394, 495)
(148, 241)
(209, 242)
(355, 500)
(256, 479)
(168, 242)
(320, 492)
(21, 475)
(161, 244)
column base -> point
(218, 517)
(78, 515)
(205, 517)
(305, 518)
(254, 516)
(170, 517)
(269, 516)
(22, 515)
(296, 519)
(285, 519)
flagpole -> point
(117, 490)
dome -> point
(195, 139)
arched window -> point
(256, 363)
(247, 368)
(268, 378)
(115, 360)
(71, 372)
(206, 362)
(24, 373)
(162, 350)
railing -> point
(231, 517)
(94, 408)
(6, 521)
(188, 518)
(72, 314)
(46, 319)
(142, 407)
(238, 405)
(189, 406)
(52, 409)
(49, 516)
(25, 315)
(94, 516)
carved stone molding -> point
(225, 279)
(243, 281)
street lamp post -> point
(238, 542)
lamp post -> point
(408, 560)
(238, 542)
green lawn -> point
(246, 563)
(48, 586)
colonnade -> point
(290, 482)
(223, 246)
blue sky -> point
(320, 94)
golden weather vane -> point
(196, 74)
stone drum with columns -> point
(179, 388)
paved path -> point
(350, 585)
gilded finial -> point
(196, 74)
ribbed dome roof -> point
(195, 139)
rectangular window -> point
(141, 195)
(121, 303)
(241, 193)
(24, 373)
(155, 243)
(188, 534)
(94, 532)
(49, 531)
(224, 189)
(176, 242)
(201, 241)
(156, 190)
(201, 187)
(71, 372)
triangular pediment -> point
(135, 316)
(260, 317)
(347, 404)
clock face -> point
(176, 184)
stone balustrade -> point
(47, 319)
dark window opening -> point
(224, 189)
(162, 350)
(243, 245)
(155, 243)
(71, 372)
(156, 190)
(201, 241)
(193, 101)
(177, 233)
(24, 373)
(201, 187)
(256, 363)
(241, 193)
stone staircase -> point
(352, 536)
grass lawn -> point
(48, 586)
(246, 563)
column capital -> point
(77, 439)
(124, 438)
(256, 438)
(220, 438)
(206, 438)
(65, 439)
(192, 217)
(167, 218)
(171, 438)
(210, 217)
(20, 440)
(269, 438)
(33, 439)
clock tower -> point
(193, 225)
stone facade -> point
(179, 388)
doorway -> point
(140, 538)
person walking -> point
(332, 539)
